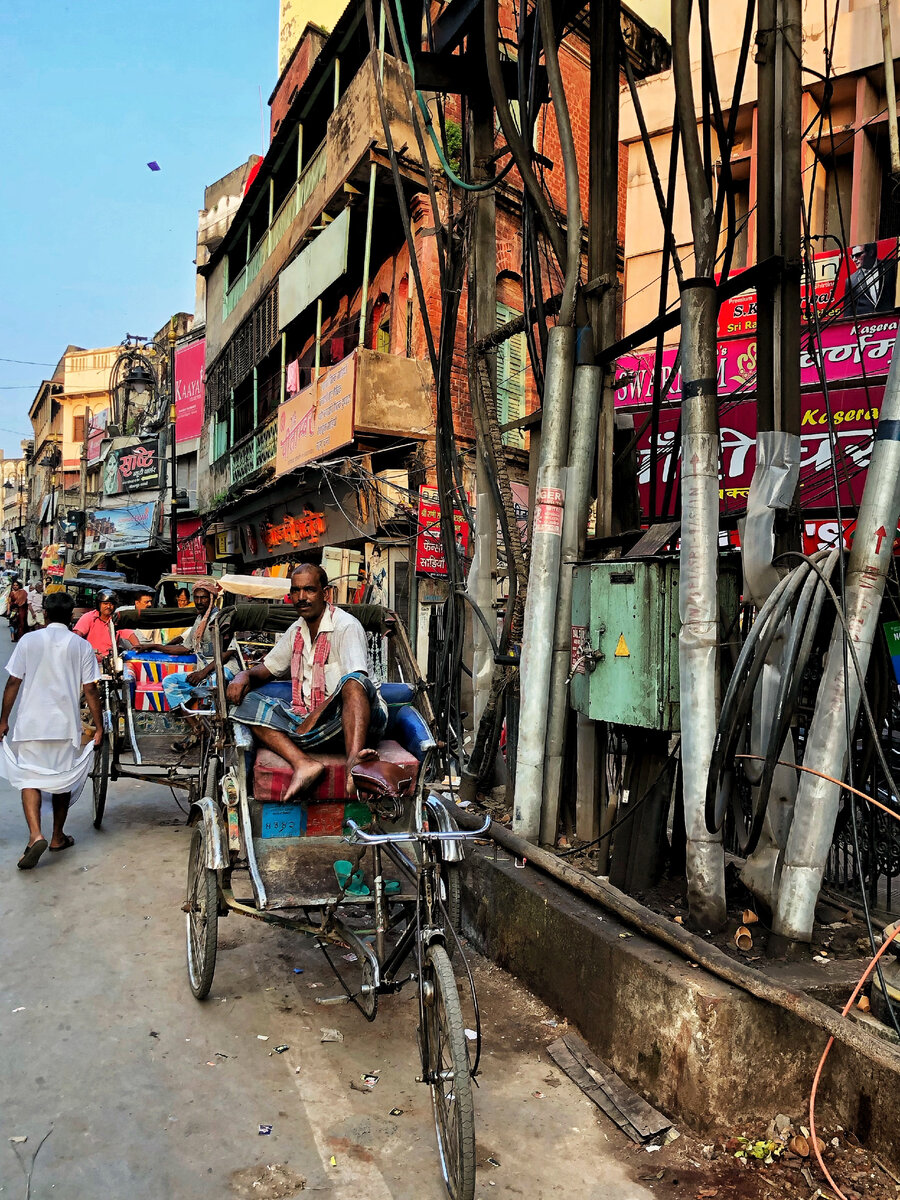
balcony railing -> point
(313, 174)
(255, 453)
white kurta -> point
(43, 749)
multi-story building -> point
(14, 500)
(853, 216)
(319, 396)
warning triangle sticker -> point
(622, 650)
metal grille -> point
(265, 324)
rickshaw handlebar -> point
(411, 835)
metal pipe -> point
(583, 437)
(570, 162)
(697, 598)
(367, 257)
(695, 949)
(890, 90)
(543, 581)
(838, 699)
(318, 337)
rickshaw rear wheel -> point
(202, 919)
(100, 774)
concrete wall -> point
(705, 1052)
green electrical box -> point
(625, 627)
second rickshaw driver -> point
(334, 701)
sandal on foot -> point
(68, 842)
(32, 853)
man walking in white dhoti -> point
(44, 754)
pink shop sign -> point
(850, 350)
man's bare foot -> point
(304, 779)
(364, 755)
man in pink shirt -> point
(97, 626)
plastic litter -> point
(262, 1037)
(265, 1130)
(17, 1141)
(370, 1081)
(298, 970)
(22, 1009)
(471, 1035)
(280, 1049)
(332, 1035)
(396, 1112)
(333, 1161)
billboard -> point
(857, 282)
(191, 547)
(189, 390)
(133, 468)
(318, 420)
(430, 557)
(129, 528)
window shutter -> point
(512, 359)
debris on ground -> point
(275, 1181)
(331, 1035)
(265, 1130)
(634, 1116)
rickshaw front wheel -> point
(100, 777)
(202, 916)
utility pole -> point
(697, 594)
(592, 420)
(482, 293)
(772, 523)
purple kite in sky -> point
(154, 166)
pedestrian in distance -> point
(18, 610)
(43, 755)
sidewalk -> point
(705, 1051)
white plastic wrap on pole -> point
(698, 600)
(543, 581)
(586, 395)
(816, 807)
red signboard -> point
(850, 350)
(189, 385)
(430, 557)
(854, 413)
(871, 273)
(191, 547)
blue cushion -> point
(397, 693)
(278, 689)
(407, 726)
(188, 659)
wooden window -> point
(383, 335)
(78, 428)
(512, 359)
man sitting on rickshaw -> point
(325, 654)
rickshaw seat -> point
(271, 773)
(380, 777)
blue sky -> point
(92, 243)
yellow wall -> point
(295, 15)
(85, 386)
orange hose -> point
(868, 971)
(815, 1087)
(830, 778)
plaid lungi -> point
(256, 709)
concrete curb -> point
(706, 1052)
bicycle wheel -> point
(202, 908)
(100, 775)
(447, 1068)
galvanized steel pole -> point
(837, 703)
(585, 412)
(543, 582)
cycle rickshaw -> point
(139, 729)
(304, 867)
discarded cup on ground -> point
(743, 938)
